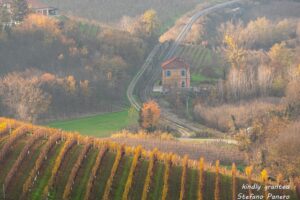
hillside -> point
(113, 11)
(70, 166)
(74, 67)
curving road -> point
(181, 125)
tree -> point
(281, 57)
(150, 21)
(283, 151)
(146, 25)
(149, 115)
(235, 53)
(293, 97)
(23, 97)
(19, 10)
(298, 30)
(70, 84)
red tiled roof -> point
(175, 63)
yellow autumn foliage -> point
(36, 21)
(217, 182)
(166, 176)
(183, 177)
(137, 154)
(3, 127)
(264, 175)
(152, 157)
(112, 174)
(234, 181)
(201, 179)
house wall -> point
(175, 79)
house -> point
(175, 74)
(34, 6)
(7, 20)
(40, 8)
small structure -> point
(6, 5)
(34, 6)
(40, 8)
(175, 74)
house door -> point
(183, 84)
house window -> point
(168, 73)
(183, 84)
(52, 12)
(183, 72)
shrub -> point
(233, 116)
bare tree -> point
(23, 97)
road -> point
(181, 125)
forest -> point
(56, 68)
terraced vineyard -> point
(43, 163)
(205, 66)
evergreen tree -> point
(19, 10)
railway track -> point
(168, 118)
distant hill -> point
(69, 166)
(113, 11)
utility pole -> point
(3, 192)
(187, 105)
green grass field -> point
(99, 125)
(199, 78)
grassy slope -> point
(9, 160)
(78, 190)
(174, 184)
(209, 186)
(64, 171)
(157, 182)
(45, 173)
(120, 178)
(113, 11)
(226, 190)
(192, 184)
(138, 180)
(102, 175)
(2, 140)
(155, 190)
(26, 166)
(99, 125)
